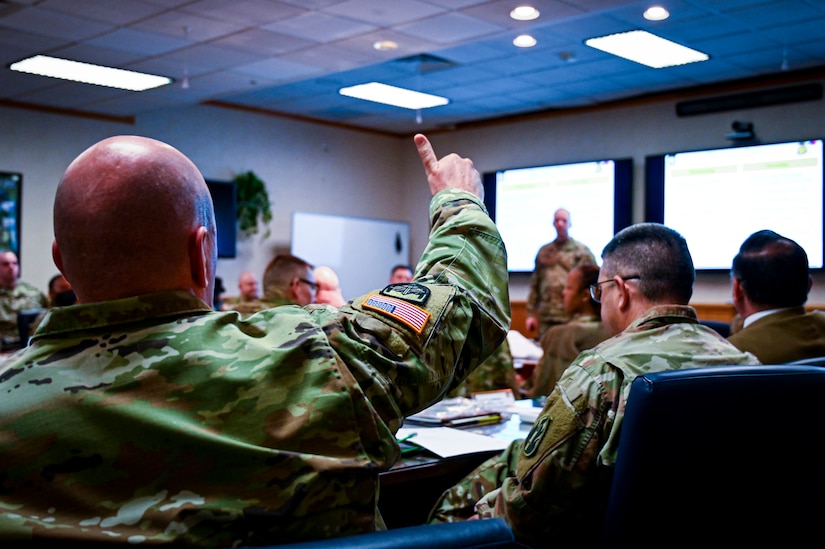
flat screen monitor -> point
(716, 198)
(598, 195)
(10, 207)
(224, 199)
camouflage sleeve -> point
(554, 476)
(458, 503)
(408, 344)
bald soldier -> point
(329, 287)
(142, 416)
(248, 300)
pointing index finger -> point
(425, 151)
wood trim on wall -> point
(723, 312)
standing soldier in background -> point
(545, 304)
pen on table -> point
(482, 421)
(406, 438)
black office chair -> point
(724, 456)
(24, 321)
(722, 328)
(472, 534)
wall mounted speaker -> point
(761, 98)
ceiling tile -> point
(450, 28)
(118, 13)
(188, 26)
(293, 56)
(262, 42)
(36, 20)
(320, 27)
(278, 69)
(386, 13)
(245, 12)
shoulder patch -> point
(397, 309)
(412, 292)
(531, 443)
(556, 424)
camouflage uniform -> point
(154, 419)
(497, 372)
(23, 296)
(560, 346)
(554, 483)
(553, 262)
(246, 308)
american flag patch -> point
(406, 313)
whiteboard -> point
(361, 251)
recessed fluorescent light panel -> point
(391, 95)
(87, 73)
(647, 49)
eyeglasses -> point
(311, 284)
(596, 289)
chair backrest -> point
(721, 328)
(24, 320)
(813, 361)
(729, 455)
(472, 534)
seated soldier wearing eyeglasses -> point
(552, 486)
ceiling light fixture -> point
(647, 49)
(385, 45)
(656, 13)
(524, 41)
(87, 73)
(524, 13)
(391, 95)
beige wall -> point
(322, 169)
(307, 167)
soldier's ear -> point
(200, 258)
(57, 257)
(737, 290)
(624, 299)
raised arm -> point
(408, 344)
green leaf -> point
(253, 204)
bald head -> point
(133, 215)
(329, 287)
(326, 278)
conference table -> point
(411, 487)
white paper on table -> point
(447, 442)
(523, 348)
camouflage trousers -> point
(458, 503)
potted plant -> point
(253, 203)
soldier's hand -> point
(451, 172)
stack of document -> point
(456, 412)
